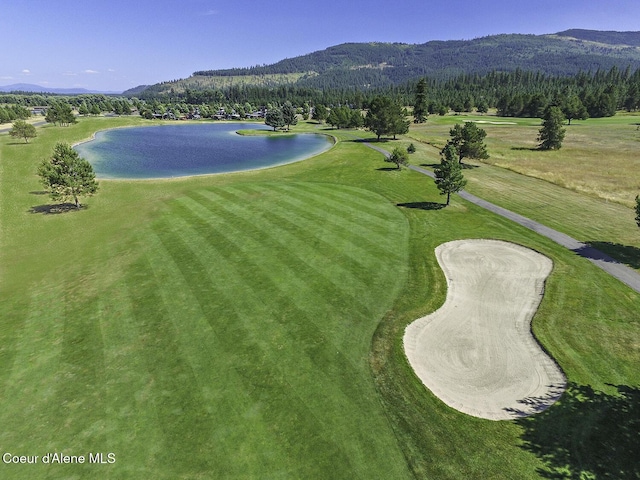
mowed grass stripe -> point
(35, 371)
(132, 424)
(339, 224)
(173, 390)
(338, 208)
(273, 273)
(79, 409)
(292, 261)
(311, 347)
(309, 215)
(324, 245)
(335, 258)
(363, 200)
(260, 371)
(294, 329)
(212, 355)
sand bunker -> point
(477, 352)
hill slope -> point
(29, 87)
(363, 65)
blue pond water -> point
(181, 150)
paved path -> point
(626, 275)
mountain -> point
(28, 87)
(365, 65)
(605, 37)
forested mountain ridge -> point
(606, 37)
(374, 65)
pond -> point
(166, 151)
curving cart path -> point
(626, 275)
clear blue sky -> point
(118, 44)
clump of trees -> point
(281, 117)
(345, 117)
(60, 114)
(22, 129)
(319, 113)
(67, 176)
(386, 117)
(274, 118)
(638, 210)
(9, 113)
(468, 141)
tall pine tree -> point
(449, 178)
(420, 107)
(551, 134)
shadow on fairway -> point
(388, 169)
(423, 205)
(56, 208)
(627, 254)
(526, 149)
(465, 166)
(587, 434)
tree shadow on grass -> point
(627, 254)
(587, 434)
(388, 169)
(57, 208)
(465, 166)
(526, 149)
(423, 205)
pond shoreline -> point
(172, 155)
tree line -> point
(518, 93)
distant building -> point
(39, 110)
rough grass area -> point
(250, 326)
(598, 157)
(589, 216)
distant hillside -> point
(28, 87)
(610, 38)
(365, 65)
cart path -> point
(613, 267)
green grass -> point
(249, 326)
(599, 214)
(598, 156)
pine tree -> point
(66, 175)
(274, 118)
(399, 157)
(24, 130)
(469, 141)
(551, 134)
(420, 107)
(449, 178)
(289, 115)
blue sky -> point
(118, 44)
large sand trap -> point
(477, 352)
